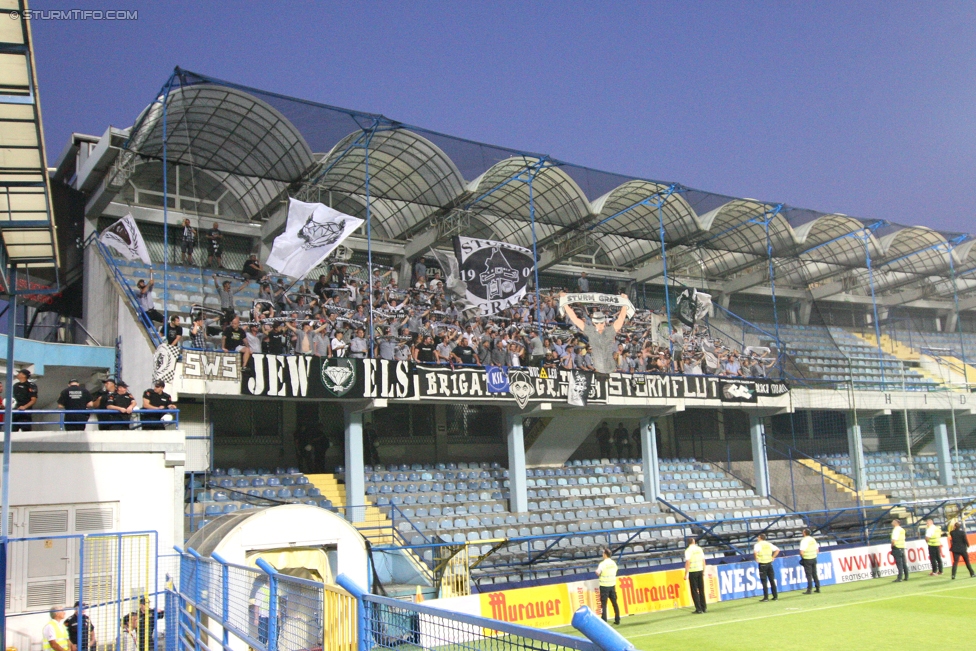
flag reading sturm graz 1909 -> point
(312, 232)
(495, 273)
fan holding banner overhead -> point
(312, 232)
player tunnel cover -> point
(495, 273)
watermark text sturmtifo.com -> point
(76, 14)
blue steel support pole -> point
(874, 306)
(8, 397)
(166, 90)
(772, 286)
(535, 253)
(664, 261)
(955, 302)
(272, 603)
(369, 240)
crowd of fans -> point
(331, 318)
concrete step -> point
(845, 483)
(375, 526)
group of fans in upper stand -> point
(330, 317)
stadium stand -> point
(834, 355)
(891, 473)
(576, 509)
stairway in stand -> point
(376, 528)
(841, 482)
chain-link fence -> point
(263, 608)
(107, 585)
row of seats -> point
(215, 509)
(835, 354)
(892, 472)
(251, 472)
(961, 345)
(427, 504)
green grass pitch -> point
(865, 615)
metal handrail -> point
(141, 315)
(61, 413)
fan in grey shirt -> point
(499, 354)
(321, 341)
(443, 350)
(359, 345)
(254, 339)
(387, 345)
(602, 339)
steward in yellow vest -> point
(55, 633)
(809, 549)
(764, 553)
(933, 538)
(695, 575)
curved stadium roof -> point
(426, 183)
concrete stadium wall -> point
(137, 474)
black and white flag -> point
(495, 274)
(578, 391)
(164, 362)
(312, 232)
(693, 306)
(124, 237)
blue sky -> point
(864, 108)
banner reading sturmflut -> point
(312, 232)
(495, 273)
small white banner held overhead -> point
(313, 231)
(124, 237)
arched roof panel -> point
(222, 129)
(389, 218)
(622, 212)
(739, 226)
(558, 200)
(916, 250)
(403, 166)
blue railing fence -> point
(114, 575)
(58, 419)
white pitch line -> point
(951, 596)
(924, 593)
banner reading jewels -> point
(299, 376)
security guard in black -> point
(120, 402)
(155, 398)
(100, 401)
(75, 398)
(25, 397)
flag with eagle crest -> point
(313, 231)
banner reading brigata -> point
(299, 376)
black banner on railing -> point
(297, 376)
